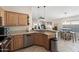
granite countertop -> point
(49, 33)
(19, 33)
(44, 30)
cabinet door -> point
(11, 19)
(37, 38)
(20, 41)
(22, 19)
(12, 44)
(46, 41)
(40, 39)
(17, 42)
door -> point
(11, 19)
(17, 42)
(45, 41)
(40, 39)
(20, 41)
(36, 39)
(22, 19)
(11, 44)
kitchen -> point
(35, 29)
(15, 30)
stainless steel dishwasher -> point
(27, 40)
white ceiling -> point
(53, 12)
(21, 9)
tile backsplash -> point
(17, 29)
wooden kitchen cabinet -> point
(11, 18)
(40, 39)
(12, 44)
(20, 37)
(22, 19)
(15, 19)
(17, 42)
(46, 42)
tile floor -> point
(62, 46)
(68, 46)
(33, 49)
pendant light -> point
(40, 16)
(38, 12)
(44, 12)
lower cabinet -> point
(45, 41)
(17, 42)
(40, 39)
(12, 44)
(20, 41)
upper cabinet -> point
(15, 19)
(11, 19)
(22, 20)
(1, 17)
